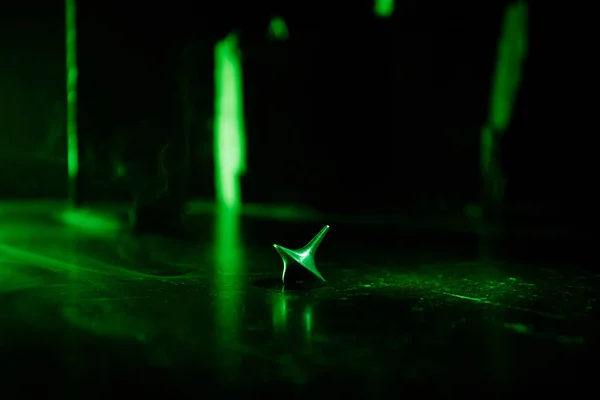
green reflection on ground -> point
(229, 280)
(280, 311)
(308, 322)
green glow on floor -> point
(512, 51)
(278, 29)
(384, 8)
(71, 63)
(229, 129)
(519, 328)
(90, 221)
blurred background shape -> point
(384, 8)
(423, 113)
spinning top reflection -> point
(299, 265)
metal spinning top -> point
(299, 265)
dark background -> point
(352, 113)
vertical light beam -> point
(512, 51)
(229, 129)
(72, 72)
(384, 8)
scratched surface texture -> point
(91, 309)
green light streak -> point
(71, 63)
(229, 129)
(512, 51)
(384, 8)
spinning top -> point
(299, 265)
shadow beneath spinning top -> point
(277, 284)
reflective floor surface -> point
(93, 312)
